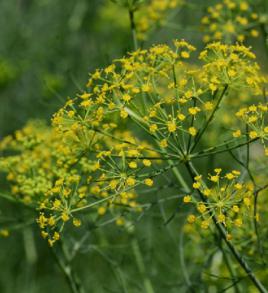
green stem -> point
(205, 154)
(230, 269)
(179, 177)
(133, 29)
(211, 117)
(148, 287)
(182, 262)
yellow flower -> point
(244, 6)
(214, 178)
(196, 185)
(123, 113)
(205, 224)
(247, 201)
(153, 128)
(238, 222)
(126, 97)
(181, 117)
(208, 106)
(71, 114)
(238, 186)
(51, 242)
(193, 110)
(192, 131)
(235, 208)
(212, 87)
(133, 165)
(187, 199)
(253, 134)
(42, 221)
(191, 219)
(221, 218)
(185, 54)
(207, 192)
(201, 208)
(120, 221)
(85, 96)
(4, 233)
(113, 184)
(101, 211)
(51, 221)
(56, 236)
(131, 181)
(148, 182)
(237, 133)
(147, 162)
(163, 143)
(171, 126)
(44, 234)
(146, 88)
(65, 217)
(229, 176)
(76, 222)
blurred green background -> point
(47, 49)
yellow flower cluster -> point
(158, 91)
(255, 118)
(230, 20)
(104, 144)
(232, 65)
(50, 171)
(224, 197)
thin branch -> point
(211, 117)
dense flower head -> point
(232, 65)
(160, 92)
(230, 20)
(50, 171)
(255, 119)
(224, 197)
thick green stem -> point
(133, 29)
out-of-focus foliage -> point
(46, 52)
